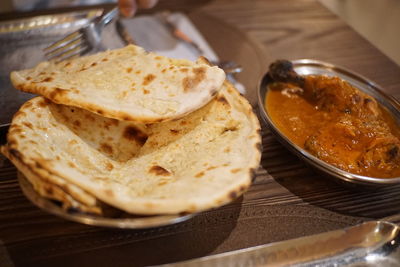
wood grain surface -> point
(287, 200)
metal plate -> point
(308, 67)
(21, 44)
(125, 220)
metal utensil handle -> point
(393, 219)
(373, 243)
(108, 17)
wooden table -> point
(287, 199)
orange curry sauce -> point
(357, 151)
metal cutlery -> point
(88, 38)
(374, 243)
(81, 41)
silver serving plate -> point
(375, 243)
(58, 21)
(126, 221)
(315, 67)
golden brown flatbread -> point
(198, 162)
(125, 84)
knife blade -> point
(374, 243)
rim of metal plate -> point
(63, 20)
(137, 222)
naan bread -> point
(56, 188)
(125, 84)
(54, 192)
(201, 161)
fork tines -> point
(70, 46)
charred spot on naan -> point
(221, 99)
(234, 194)
(173, 131)
(232, 126)
(15, 153)
(43, 103)
(236, 170)
(106, 148)
(46, 80)
(109, 166)
(192, 81)
(15, 129)
(158, 170)
(200, 174)
(49, 189)
(213, 92)
(71, 164)
(58, 93)
(148, 79)
(135, 134)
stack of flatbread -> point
(135, 131)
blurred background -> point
(376, 20)
(26, 5)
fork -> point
(81, 41)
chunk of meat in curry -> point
(338, 124)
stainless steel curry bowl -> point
(315, 67)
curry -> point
(336, 122)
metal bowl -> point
(309, 67)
